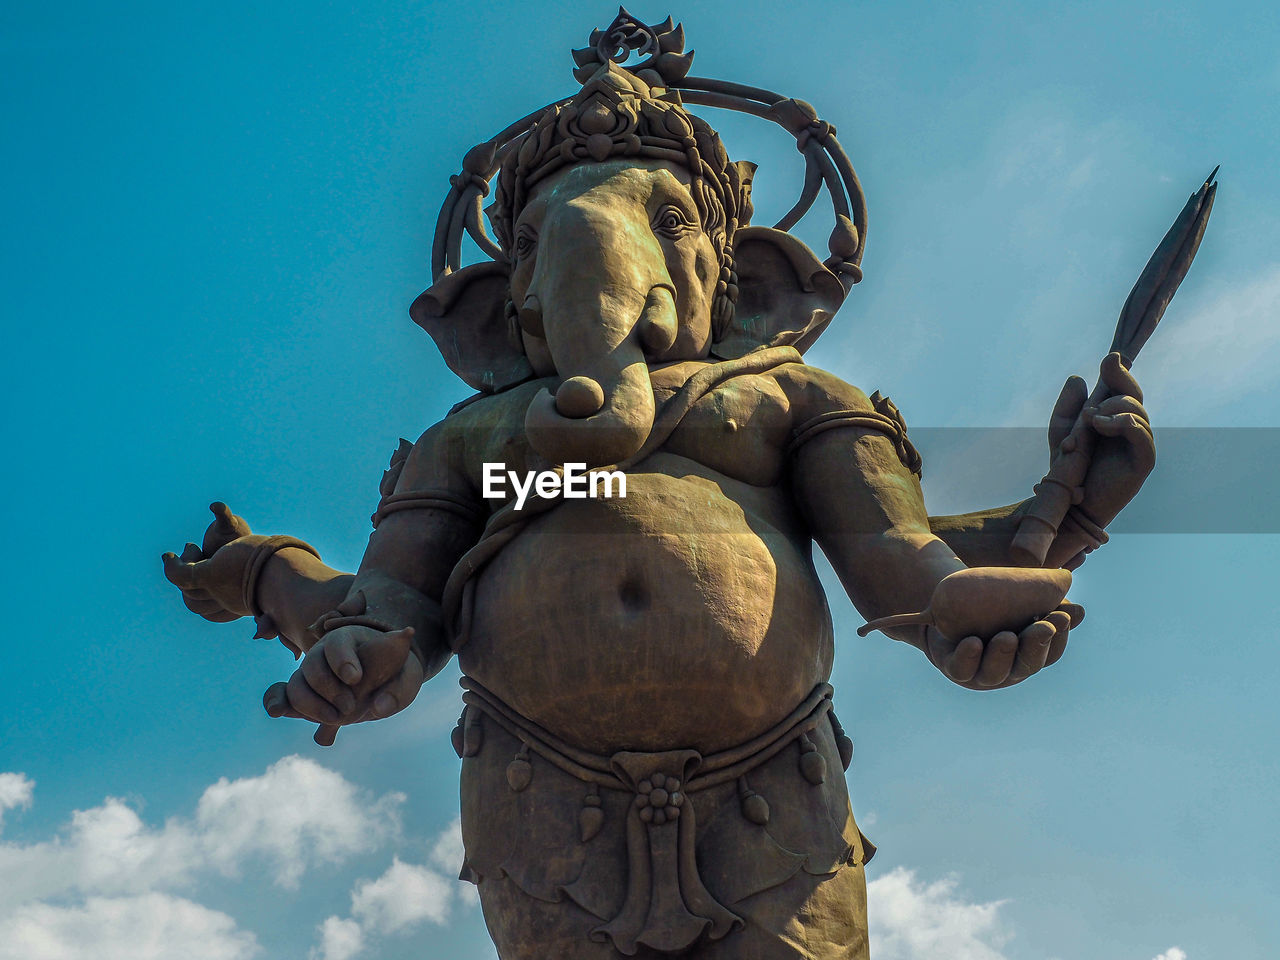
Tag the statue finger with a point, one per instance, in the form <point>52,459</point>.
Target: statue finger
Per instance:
<point>1033,649</point>
<point>963,662</point>
<point>340,654</point>
<point>226,526</point>
<point>276,702</point>
<point>1118,379</point>
<point>939,647</point>
<point>200,601</point>
<point>325,734</point>
<point>307,702</point>
<point>1065,411</point>
<point>1063,620</point>
<point>997,659</point>
<point>191,553</point>
<point>1133,429</point>
<point>1074,612</point>
<point>398,693</point>
<point>1122,404</point>
<point>324,682</point>
<point>182,574</point>
<point>384,656</point>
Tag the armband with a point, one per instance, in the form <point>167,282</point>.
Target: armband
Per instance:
<point>884,418</point>
<point>437,499</point>
<point>427,499</point>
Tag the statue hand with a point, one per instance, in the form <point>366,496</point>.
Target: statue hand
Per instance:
<point>226,527</point>
<point>211,576</point>
<point>1125,450</point>
<point>353,674</point>
<point>1007,658</point>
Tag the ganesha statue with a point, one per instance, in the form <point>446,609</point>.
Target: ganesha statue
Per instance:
<point>651,762</point>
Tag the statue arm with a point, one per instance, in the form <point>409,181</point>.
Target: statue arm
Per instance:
<point>383,622</point>
<point>385,637</point>
<point>982,538</point>
<point>867,513</point>
<point>427,518</point>
<point>857,487</point>
<point>405,568</point>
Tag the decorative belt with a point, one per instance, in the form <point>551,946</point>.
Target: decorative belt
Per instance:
<point>667,907</point>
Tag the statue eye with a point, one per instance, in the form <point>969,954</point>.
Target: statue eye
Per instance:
<point>671,220</point>
<point>525,242</point>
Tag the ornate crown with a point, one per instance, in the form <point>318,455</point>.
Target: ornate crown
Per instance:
<point>639,111</point>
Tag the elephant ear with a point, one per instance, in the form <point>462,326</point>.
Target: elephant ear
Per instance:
<point>786,296</point>
<point>465,314</point>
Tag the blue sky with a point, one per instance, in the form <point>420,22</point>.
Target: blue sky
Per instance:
<point>215,219</point>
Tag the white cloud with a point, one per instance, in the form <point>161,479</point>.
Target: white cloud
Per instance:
<point>109,871</point>
<point>152,926</point>
<point>1173,953</point>
<point>339,940</point>
<point>402,898</point>
<point>15,791</point>
<point>405,897</point>
<point>106,850</point>
<point>913,920</point>
<point>446,852</point>
<point>295,815</point>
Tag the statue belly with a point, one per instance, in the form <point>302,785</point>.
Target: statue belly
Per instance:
<point>674,618</point>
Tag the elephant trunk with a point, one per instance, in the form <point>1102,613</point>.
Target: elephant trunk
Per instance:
<point>601,333</point>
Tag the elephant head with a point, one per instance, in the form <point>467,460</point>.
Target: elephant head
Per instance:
<point>615,264</point>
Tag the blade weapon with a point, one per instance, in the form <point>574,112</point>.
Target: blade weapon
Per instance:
<point>1142,311</point>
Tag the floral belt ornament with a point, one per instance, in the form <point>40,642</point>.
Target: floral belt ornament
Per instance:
<point>666,906</point>
<point>659,799</point>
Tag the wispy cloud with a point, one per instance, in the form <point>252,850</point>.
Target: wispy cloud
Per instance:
<point>916,920</point>
<point>1173,953</point>
<point>1222,348</point>
<point>1038,144</point>
<point>15,792</point>
<point>405,898</point>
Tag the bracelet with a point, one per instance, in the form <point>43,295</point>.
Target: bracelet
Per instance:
<point>1094,535</point>
<point>263,552</point>
<point>352,612</point>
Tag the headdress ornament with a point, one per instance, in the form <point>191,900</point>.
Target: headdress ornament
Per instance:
<point>639,110</point>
